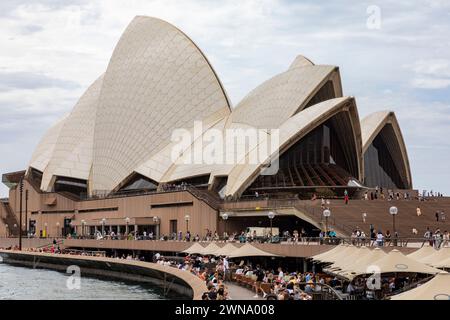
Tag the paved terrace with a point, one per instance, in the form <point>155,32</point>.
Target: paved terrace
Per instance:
<point>300,250</point>
<point>283,249</point>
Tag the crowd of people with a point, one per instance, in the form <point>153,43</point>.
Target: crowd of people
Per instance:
<point>435,238</point>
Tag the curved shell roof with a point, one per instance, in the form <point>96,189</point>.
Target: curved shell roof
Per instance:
<point>72,154</point>
<point>372,125</point>
<point>301,61</point>
<point>158,80</point>
<point>44,150</point>
<point>284,95</point>
<point>290,132</point>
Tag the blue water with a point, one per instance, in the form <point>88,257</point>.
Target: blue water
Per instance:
<point>18,283</point>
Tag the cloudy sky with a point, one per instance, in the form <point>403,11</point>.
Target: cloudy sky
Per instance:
<point>51,50</point>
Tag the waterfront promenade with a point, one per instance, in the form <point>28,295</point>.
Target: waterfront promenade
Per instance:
<point>170,278</point>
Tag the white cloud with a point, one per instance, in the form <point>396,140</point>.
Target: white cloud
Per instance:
<point>431,74</point>
<point>246,41</point>
<point>430,83</point>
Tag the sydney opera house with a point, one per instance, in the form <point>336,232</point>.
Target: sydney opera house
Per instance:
<point>109,162</point>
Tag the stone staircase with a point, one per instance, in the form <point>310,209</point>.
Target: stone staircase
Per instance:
<point>347,217</point>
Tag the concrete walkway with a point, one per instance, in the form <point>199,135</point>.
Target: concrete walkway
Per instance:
<point>240,293</point>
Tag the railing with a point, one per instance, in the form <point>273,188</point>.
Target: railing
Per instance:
<point>276,240</point>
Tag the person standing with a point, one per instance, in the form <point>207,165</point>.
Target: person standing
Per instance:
<point>437,216</point>
<point>428,236</point>
<point>346,196</point>
<point>445,238</point>
<point>380,238</point>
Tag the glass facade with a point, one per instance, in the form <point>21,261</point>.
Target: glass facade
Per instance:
<point>324,157</point>
<point>379,166</point>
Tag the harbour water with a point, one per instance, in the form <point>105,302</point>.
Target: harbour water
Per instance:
<point>18,283</point>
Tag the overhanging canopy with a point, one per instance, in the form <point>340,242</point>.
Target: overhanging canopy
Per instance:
<point>210,249</point>
<point>361,265</point>
<point>321,256</point>
<point>421,253</point>
<point>342,253</point>
<point>437,288</point>
<point>248,250</point>
<point>195,248</point>
<point>395,261</point>
<point>226,250</point>
<point>443,264</point>
<point>346,262</point>
<point>437,257</point>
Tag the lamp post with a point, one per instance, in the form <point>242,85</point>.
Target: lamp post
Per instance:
<point>393,211</point>
<point>20,213</point>
<point>127,225</point>
<point>225,218</point>
<point>103,227</point>
<point>326,214</point>
<point>271,215</point>
<point>26,211</point>
<point>156,221</point>
<point>187,218</point>
<point>57,229</point>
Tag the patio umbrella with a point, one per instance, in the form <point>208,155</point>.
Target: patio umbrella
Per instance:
<point>210,249</point>
<point>443,264</point>
<point>195,248</point>
<point>343,253</point>
<point>437,257</point>
<point>437,288</point>
<point>323,255</point>
<point>421,253</point>
<point>226,250</point>
<point>344,263</point>
<point>395,261</point>
<point>248,250</point>
<point>361,265</point>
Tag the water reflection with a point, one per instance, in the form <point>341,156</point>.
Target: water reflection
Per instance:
<point>39,284</point>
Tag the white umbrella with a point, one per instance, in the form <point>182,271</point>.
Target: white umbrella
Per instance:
<point>248,250</point>
<point>323,255</point>
<point>437,288</point>
<point>437,257</point>
<point>343,253</point>
<point>361,265</point>
<point>226,250</point>
<point>210,249</point>
<point>443,264</point>
<point>395,261</point>
<point>195,248</point>
<point>421,253</point>
<point>345,263</point>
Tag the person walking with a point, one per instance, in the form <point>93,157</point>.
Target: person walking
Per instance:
<point>445,239</point>
<point>346,196</point>
<point>428,236</point>
<point>437,216</point>
<point>418,211</point>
